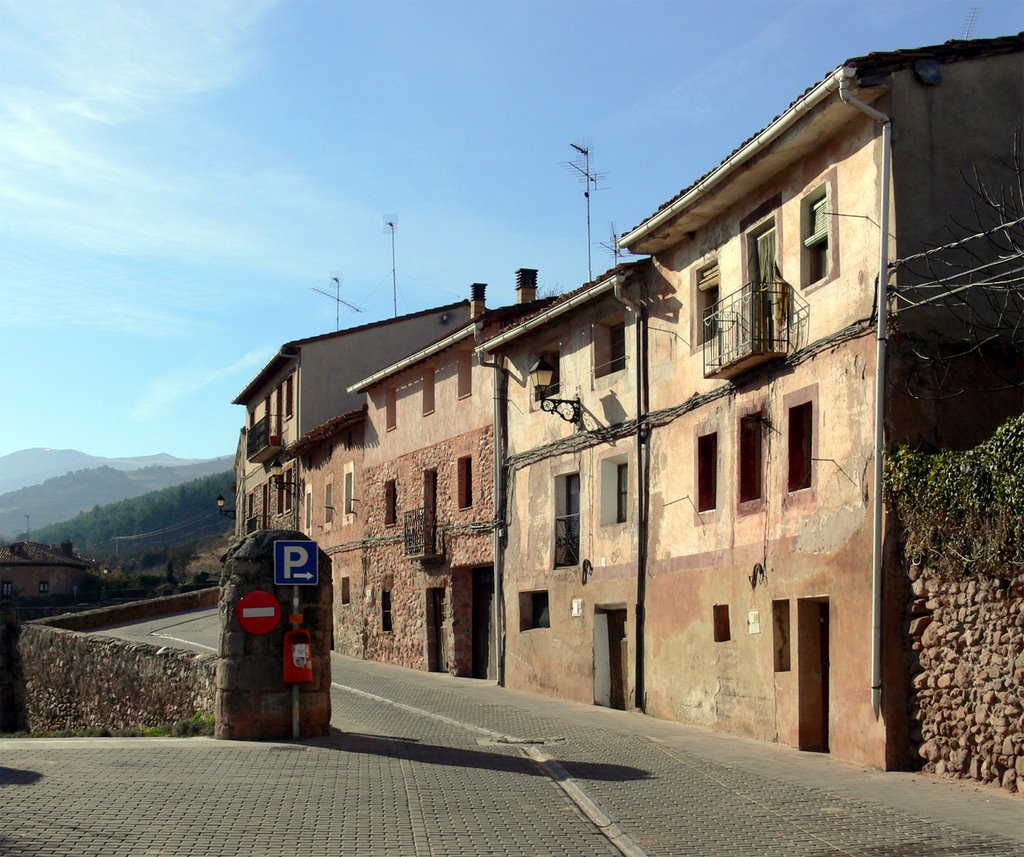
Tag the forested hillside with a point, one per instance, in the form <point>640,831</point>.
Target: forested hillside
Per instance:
<point>146,524</point>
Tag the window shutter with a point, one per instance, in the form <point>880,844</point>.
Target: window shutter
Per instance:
<point>818,222</point>
<point>708,279</point>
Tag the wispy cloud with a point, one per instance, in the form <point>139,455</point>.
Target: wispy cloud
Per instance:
<point>165,391</point>
<point>88,92</point>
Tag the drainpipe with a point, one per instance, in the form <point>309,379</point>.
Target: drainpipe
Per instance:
<point>640,323</point>
<point>882,303</point>
<point>497,612</point>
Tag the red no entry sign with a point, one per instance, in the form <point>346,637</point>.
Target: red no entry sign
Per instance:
<point>259,612</point>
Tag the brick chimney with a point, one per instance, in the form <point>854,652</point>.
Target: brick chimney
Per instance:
<point>526,285</point>
<point>477,306</point>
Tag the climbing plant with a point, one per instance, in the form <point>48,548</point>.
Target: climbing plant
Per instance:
<point>963,512</point>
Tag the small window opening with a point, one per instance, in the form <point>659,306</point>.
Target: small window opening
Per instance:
<point>346,593</point>
<point>465,477</point>
<point>751,463</point>
<point>721,623</point>
<point>800,428</point>
<point>385,610</point>
<point>707,472</point>
<point>534,610</point>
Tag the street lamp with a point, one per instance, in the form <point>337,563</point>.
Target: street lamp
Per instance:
<point>227,513</point>
<point>570,410</point>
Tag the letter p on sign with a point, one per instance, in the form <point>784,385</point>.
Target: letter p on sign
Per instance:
<point>295,563</point>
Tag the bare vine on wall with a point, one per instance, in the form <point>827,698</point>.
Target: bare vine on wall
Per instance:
<point>976,280</point>
<point>962,513</point>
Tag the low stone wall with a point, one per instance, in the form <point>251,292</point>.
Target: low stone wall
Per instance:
<point>78,681</point>
<point>967,675</point>
<point>134,611</point>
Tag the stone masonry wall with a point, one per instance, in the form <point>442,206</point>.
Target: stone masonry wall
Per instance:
<point>966,661</point>
<point>79,681</point>
<point>464,541</point>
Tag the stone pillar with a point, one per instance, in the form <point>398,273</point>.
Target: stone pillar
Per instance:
<point>253,702</point>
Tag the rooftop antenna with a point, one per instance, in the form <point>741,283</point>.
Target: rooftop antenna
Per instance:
<point>612,246</point>
<point>338,300</point>
<point>970,22</point>
<point>390,225</point>
<point>589,178</point>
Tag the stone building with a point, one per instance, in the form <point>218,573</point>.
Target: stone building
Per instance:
<point>29,570</point>
<point>426,498</point>
<point>706,540</point>
<point>301,388</point>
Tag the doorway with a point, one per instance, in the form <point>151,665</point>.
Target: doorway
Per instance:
<point>436,660</point>
<point>483,607</point>
<point>610,652</point>
<point>813,673</point>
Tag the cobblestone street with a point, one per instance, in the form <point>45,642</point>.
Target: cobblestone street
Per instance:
<point>427,764</point>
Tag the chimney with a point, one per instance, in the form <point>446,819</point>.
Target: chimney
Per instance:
<point>65,548</point>
<point>477,307</point>
<point>526,285</point>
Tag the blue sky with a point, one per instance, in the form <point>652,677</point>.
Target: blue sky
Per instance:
<point>177,178</point>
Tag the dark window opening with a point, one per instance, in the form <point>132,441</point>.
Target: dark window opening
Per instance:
<point>721,623</point>
<point>534,610</point>
<point>751,463</point>
<point>391,502</point>
<point>346,595</point>
<point>800,428</point>
<point>707,472</point>
<point>621,492</point>
<point>385,610</point>
<point>465,477</point>
<point>780,630</point>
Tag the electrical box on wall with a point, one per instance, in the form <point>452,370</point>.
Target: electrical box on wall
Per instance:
<point>577,608</point>
<point>368,595</point>
<point>753,621</point>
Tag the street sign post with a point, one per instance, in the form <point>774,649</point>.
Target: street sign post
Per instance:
<point>259,612</point>
<point>295,563</point>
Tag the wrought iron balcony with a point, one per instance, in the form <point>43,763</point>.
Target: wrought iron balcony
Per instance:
<point>567,540</point>
<point>760,322</point>
<point>260,444</point>
<point>420,534</point>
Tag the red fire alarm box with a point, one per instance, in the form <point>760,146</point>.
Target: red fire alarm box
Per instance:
<point>298,657</point>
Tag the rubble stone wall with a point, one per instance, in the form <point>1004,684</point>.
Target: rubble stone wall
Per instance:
<point>80,681</point>
<point>967,674</point>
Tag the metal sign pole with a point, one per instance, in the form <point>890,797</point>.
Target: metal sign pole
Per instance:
<point>295,687</point>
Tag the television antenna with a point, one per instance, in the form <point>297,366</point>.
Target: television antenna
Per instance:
<point>590,179</point>
<point>390,225</point>
<point>338,300</point>
<point>612,245</point>
<point>970,22</point>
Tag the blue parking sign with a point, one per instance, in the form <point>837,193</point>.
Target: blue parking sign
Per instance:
<point>295,563</point>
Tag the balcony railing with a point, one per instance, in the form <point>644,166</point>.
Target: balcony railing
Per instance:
<point>567,540</point>
<point>760,322</point>
<point>420,534</point>
<point>260,444</point>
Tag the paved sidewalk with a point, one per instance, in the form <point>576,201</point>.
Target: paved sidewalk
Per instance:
<point>432,765</point>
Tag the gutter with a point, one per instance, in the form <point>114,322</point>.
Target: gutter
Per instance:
<point>786,121</point>
<point>882,300</point>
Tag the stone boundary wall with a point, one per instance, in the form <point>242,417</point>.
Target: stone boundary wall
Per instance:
<point>966,662</point>
<point>79,681</point>
<point>134,611</point>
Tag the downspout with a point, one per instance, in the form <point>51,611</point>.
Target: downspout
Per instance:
<point>640,323</point>
<point>498,549</point>
<point>882,301</point>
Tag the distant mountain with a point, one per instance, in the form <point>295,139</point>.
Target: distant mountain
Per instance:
<point>63,497</point>
<point>33,466</point>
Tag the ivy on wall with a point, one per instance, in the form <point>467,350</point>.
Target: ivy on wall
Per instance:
<point>963,512</point>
